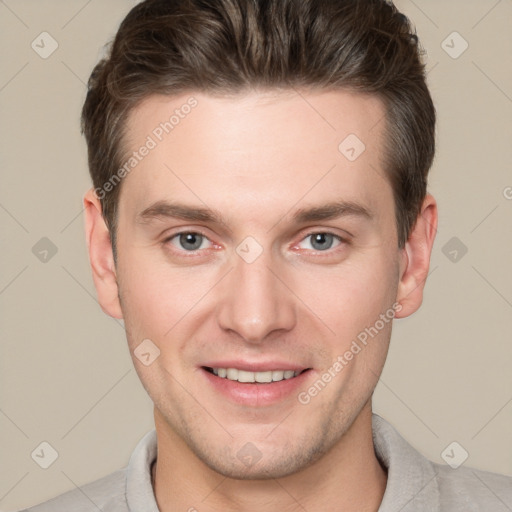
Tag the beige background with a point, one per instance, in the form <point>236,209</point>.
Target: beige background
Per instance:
<point>66,375</point>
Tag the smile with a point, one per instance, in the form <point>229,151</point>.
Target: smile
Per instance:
<point>244,376</point>
<point>264,387</point>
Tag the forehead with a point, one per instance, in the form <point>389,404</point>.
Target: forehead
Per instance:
<point>264,147</point>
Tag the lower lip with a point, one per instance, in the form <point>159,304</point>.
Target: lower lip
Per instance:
<point>257,394</point>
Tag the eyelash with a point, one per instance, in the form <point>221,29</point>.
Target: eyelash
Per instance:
<point>342,242</point>
<point>183,252</point>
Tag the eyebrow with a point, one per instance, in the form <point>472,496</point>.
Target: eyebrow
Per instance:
<point>179,211</point>
<point>332,211</point>
<point>329,211</point>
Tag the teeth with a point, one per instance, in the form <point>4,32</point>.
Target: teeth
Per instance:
<point>232,374</point>
<point>277,375</point>
<point>263,376</point>
<point>245,376</point>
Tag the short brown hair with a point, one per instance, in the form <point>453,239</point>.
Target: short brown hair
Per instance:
<point>228,46</point>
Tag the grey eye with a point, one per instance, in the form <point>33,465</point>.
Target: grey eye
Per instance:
<point>191,241</point>
<point>321,241</point>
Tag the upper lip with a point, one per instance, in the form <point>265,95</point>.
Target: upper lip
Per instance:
<point>256,366</point>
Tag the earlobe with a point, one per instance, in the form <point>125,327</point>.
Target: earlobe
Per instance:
<point>415,259</point>
<point>101,256</point>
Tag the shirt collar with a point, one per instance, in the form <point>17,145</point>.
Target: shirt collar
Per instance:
<point>411,484</point>
<point>139,491</point>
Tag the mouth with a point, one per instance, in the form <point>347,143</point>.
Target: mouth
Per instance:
<point>256,385</point>
<point>248,377</point>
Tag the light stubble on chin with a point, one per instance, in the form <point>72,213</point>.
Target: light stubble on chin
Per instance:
<point>279,461</point>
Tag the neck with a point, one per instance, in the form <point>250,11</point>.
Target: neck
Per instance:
<point>349,477</point>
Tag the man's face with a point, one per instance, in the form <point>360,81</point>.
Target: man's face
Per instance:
<point>248,240</point>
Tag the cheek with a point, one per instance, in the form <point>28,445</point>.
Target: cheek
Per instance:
<point>351,297</point>
<point>156,297</point>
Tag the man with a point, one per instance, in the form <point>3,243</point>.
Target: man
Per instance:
<point>259,217</point>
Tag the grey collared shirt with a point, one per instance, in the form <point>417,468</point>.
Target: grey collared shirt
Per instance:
<point>414,484</point>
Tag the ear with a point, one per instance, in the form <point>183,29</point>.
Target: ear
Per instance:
<point>101,256</point>
<point>415,259</point>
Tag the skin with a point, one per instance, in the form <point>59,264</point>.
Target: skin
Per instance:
<point>257,159</point>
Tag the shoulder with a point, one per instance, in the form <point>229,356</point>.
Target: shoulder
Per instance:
<point>124,490</point>
<point>416,484</point>
<point>107,493</point>
<point>471,489</point>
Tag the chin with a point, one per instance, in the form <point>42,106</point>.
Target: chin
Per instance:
<point>260,470</point>
<point>260,461</point>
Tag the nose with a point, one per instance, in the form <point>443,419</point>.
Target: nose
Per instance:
<point>254,301</point>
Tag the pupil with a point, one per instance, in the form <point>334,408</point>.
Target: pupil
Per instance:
<point>191,241</point>
<point>322,241</point>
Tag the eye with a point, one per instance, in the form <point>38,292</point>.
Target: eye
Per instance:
<point>190,241</point>
<point>320,241</point>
